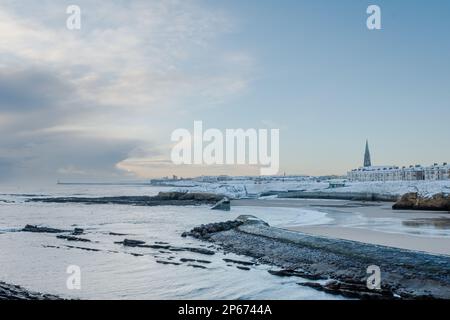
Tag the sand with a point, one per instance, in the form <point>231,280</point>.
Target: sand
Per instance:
<point>372,222</point>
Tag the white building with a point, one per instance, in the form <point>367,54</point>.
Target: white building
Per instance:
<point>394,173</point>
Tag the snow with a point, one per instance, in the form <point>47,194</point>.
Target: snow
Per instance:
<point>251,188</point>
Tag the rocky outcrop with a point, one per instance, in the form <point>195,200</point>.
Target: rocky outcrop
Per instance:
<point>350,290</point>
<point>342,263</point>
<point>204,231</point>
<point>37,229</point>
<point>414,201</point>
<point>72,238</point>
<point>196,196</point>
<point>12,292</point>
<point>162,199</point>
<point>143,244</point>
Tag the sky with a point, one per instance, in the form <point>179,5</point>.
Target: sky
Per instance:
<point>100,103</point>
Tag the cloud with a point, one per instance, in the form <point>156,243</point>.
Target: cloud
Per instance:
<point>77,102</point>
<point>23,90</point>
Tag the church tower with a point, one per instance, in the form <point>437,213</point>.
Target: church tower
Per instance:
<point>367,162</point>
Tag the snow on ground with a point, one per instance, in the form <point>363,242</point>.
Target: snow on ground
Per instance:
<point>424,188</point>
<point>252,188</point>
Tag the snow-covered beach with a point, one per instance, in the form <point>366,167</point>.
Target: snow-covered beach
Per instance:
<point>246,187</point>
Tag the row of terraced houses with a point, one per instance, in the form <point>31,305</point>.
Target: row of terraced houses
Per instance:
<point>394,173</point>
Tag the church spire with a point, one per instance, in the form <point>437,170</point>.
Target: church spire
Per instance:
<point>367,162</point>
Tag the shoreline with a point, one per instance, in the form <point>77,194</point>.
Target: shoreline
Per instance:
<point>342,263</point>
<point>429,245</point>
<point>14,292</point>
<point>341,211</point>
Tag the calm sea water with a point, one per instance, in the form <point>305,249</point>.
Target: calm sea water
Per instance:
<point>39,262</point>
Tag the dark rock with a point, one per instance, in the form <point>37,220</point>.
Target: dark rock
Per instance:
<point>196,196</point>
<point>245,263</point>
<point>12,292</point>
<point>413,201</point>
<point>406,274</point>
<point>36,229</point>
<point>72,238</point>
<point>117,234</point>
<point>131,243</point>
<point>350,290</point>
<point>197,266</point>
<point>77,231</point>
<point>136,254</point>
<point>168,262</point>
<point>293,273</point>
<point>162,199</point>
<point>243,268</point>
<point>157,246</point>
<point>203,261</point>
<point>85,249</point>
<point>194,260</point>
<point>204,231</point>
<point>196,250</point>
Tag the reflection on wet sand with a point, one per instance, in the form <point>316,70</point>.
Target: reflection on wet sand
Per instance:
<point>438,223</point>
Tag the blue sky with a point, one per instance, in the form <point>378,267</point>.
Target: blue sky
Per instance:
<point>100,103</point>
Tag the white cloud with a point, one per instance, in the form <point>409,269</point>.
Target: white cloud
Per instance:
<point>130,62</point>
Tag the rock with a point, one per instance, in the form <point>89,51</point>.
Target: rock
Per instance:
<point>204,231</point>
<point>157,246</point>
<point>77,231</point>
<point>224,205</point>
<point>85,249</point>
<point>36,229</point>
<point>243,268</point>
<point>198,250</point>
<point>203,261</point>
<point>197,266</point>
<point>350,290</point>
<point>245,263</point>
<point>12,292</point>
<point>295,273</point>
<point>136,254</point>
<point>189,196</point>
<point>162,199</point>
<point>72,238</point>
<point>249,219</point>
<point>132,243</point>
<point>117,234</point>
<point>168,262</point>
<point>405,274</point>
<point>414,201</point>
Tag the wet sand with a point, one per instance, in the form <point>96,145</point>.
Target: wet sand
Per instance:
<point>371,222</point>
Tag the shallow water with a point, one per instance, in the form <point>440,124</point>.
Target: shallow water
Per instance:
<point>39,261</point>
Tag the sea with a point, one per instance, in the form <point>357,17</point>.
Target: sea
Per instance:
<point>105,269</point>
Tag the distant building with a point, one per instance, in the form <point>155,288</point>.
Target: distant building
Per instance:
<point>336,184</point>
<point>367,161</point>
<point>393,173</point>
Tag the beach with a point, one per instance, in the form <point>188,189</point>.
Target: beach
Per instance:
<point>130,247</point>
<point>368,222</point>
